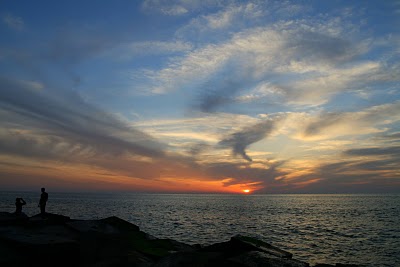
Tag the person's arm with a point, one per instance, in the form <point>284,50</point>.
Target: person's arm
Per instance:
<point>23,202</point>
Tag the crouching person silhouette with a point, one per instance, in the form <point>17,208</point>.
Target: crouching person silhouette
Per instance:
<point>19,202</point>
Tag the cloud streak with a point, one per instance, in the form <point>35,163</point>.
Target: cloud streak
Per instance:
<point>370,120</point>
<point>68,116</point>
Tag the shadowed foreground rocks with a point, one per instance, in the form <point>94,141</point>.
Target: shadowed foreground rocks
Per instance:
<point>57,240</point>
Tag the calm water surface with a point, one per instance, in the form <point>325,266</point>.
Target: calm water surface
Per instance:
<point>359,229</point>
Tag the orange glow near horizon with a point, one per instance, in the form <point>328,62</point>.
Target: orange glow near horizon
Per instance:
<point>84,177</point>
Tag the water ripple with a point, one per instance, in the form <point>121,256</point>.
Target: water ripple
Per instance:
<point>359,229</point>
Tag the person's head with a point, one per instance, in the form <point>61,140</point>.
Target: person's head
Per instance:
<point>17,199</point>
<point>43,189</point>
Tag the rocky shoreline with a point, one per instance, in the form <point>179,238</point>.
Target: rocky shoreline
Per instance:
<point>57,240</point>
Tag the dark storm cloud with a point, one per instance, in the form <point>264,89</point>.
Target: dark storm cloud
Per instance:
<point>66,115</point>
<point>239,141</point>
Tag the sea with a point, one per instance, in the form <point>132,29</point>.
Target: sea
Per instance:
<point>320,228</point>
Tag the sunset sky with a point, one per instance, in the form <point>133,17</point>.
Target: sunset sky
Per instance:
<point>200,96</point>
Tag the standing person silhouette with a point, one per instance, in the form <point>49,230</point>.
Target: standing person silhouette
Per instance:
<point>19,202</point>
<point>43,200</point>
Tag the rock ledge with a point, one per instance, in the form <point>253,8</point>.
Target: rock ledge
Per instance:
<point>57,240</point>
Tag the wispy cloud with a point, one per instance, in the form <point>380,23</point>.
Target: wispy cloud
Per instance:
<point>306,62</point>
<point>230,17</point>
<point>235,16</point>
<point>205,128</point>
<point>375,151</point>
<point>180,7</point>
<point>370,120</point>
<point>13,22</point>
<point>66,115</point>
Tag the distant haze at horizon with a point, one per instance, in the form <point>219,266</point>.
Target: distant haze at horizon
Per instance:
<point>200,96</point>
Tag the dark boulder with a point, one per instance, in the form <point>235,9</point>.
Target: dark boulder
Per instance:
<point>49,219</point>
<point>120,224</point>
<point>51,245</point>
<point>8,218</point>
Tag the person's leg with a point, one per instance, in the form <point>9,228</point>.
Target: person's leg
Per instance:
<point>42,209</point>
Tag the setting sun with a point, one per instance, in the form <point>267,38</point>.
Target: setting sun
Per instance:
<point>246,190</point>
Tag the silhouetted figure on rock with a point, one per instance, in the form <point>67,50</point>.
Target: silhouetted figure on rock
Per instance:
<point>43,200</point>
<point>19,202</point>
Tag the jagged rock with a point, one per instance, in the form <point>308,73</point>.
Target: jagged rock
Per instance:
<point>95,226</point>
<point>226,248</point>
<point>122,225</point>
<point>239,244</point>
<point>249,243</point>
<point>154,248</point>
<point>260,259</point>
